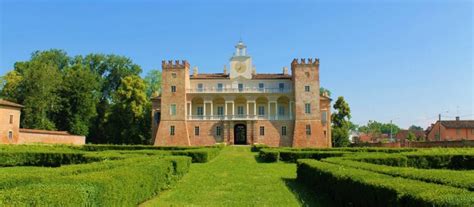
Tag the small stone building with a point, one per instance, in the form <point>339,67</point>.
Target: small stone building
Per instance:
<point>241,106</point>
<point>11,133</point>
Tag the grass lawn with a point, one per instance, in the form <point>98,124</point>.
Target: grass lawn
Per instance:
<point>235,178</point>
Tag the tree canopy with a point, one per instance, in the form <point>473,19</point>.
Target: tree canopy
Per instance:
<point>97,95</point>
<point>341,123</point>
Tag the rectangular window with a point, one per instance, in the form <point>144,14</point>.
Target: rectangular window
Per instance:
<point>11,119</point>
<point>261,87</point>
<point>308,129</point>
<point>220,110</point>
<point>173,89</point>
<point>261,110</point>
<point>283,130</point>
<point>306,88</point>
<point>325,134</point>
<point>173,75</point>
<point>220,87</point>
<point>281,111</point>
<point>173,109</point>
<point>196,131</point>
<point>241,87</point>
<point>262,131</point>
<point>240,110</point>
<point>218,131</point>
<point>307,108</point>
<point>200,111</point>
<point>324,118</point>
<point>200,87</point>
<point>10,135</point>
<point>172,130</point>
<point>281,86</point>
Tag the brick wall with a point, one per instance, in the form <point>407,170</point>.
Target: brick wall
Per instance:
<point>28,136</point>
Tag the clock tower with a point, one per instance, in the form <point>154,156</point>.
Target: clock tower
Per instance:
<point>240,63</point>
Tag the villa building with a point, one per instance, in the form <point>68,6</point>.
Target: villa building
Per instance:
<point>241,106</point>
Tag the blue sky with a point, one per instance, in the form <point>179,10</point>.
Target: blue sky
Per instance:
<point>401,60</point>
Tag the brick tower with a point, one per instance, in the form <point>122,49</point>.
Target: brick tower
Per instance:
<point>308,130</point>
<point>172,129</point>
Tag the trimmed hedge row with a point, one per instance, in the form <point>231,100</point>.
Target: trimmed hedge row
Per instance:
<point>460,179</point>
<point>257,147</point>
<point>421,160</point>
<point>350,186</point>
<point>34,158</point>
<point>143,178</point>
<point>201,155</point>
<point>274,155</point>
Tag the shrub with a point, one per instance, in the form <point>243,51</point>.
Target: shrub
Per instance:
<point>35,158</point>
<point>461,179</point>
<point>350,186</point>
<point>257,147</point>
<point>201,155</point>
<point>292,156</point>
<point>269,155</point>
<point>143,178</point>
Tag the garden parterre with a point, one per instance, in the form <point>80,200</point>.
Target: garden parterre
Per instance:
<point>92,175</point>
<point>383,176</point>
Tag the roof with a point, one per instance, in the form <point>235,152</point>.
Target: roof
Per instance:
<point>461,124</point>
<point>271,76</point>
<point>210,76</point>
<point>4,102</point>
<point>226,76</point>
<point>39,131</point>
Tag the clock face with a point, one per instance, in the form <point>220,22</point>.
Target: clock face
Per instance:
<point>240,67</point>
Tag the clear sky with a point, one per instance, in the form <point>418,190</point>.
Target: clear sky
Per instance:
<point>402,60</point>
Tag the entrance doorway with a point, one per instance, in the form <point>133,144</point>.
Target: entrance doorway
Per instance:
<point>240,134</point>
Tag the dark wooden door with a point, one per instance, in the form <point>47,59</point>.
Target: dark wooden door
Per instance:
<point>240,134</point>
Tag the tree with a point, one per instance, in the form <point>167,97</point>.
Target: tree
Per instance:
<point>323,90</point>
<point>376,129</point>
<point>153,82</point>
<point>9,86</point>
<point>415,128</point>
<point>341,123</point>
<point>411,136</point>
<point>79,97</point>
<point>129,114</point>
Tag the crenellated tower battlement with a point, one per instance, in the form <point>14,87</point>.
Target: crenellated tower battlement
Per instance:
<point>174,65</point>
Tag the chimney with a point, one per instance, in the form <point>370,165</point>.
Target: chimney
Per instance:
<point>225,69</point>
<point>285,70</point>
<point>195,71</point>
<point>457,118</point>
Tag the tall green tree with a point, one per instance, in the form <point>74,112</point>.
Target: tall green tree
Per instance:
<point>415,128</point>
<point>79,94</point>
<point>153,82</point>
<point>129,112</point>
<point>9,86</point>
<point>341,123</point>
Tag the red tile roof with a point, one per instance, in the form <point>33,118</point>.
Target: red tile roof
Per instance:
<point>39,131</point>
<point>210,76</point>
<point>4,102</point>
<point>461,124</point>
<point>271,76</point>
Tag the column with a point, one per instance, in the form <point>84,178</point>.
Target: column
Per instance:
<point>204,110</point>
<point>268,110</point>
<point>191,109</point>
<point>290,110</point>
<point>233,110</point>
<point>225,110</point>
<point>247,112</point>
<point>255,108</point>
<point>276,110</point>
<point>212,108</point>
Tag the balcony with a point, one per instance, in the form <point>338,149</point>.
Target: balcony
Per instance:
<point>239,117</point>
<point>239,90</point>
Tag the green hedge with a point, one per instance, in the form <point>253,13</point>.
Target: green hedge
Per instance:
<point>257,147</point>
<point>143,178</point>
<point>292,156</point>
<point>461,179</point>
<point>34,158</point>
<point>201,155</point>
<point>350,186</point>
<point>103,147</point>
<point>269,155</point>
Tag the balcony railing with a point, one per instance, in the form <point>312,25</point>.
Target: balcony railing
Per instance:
<point>239,117</point>
<point>239,90</point>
